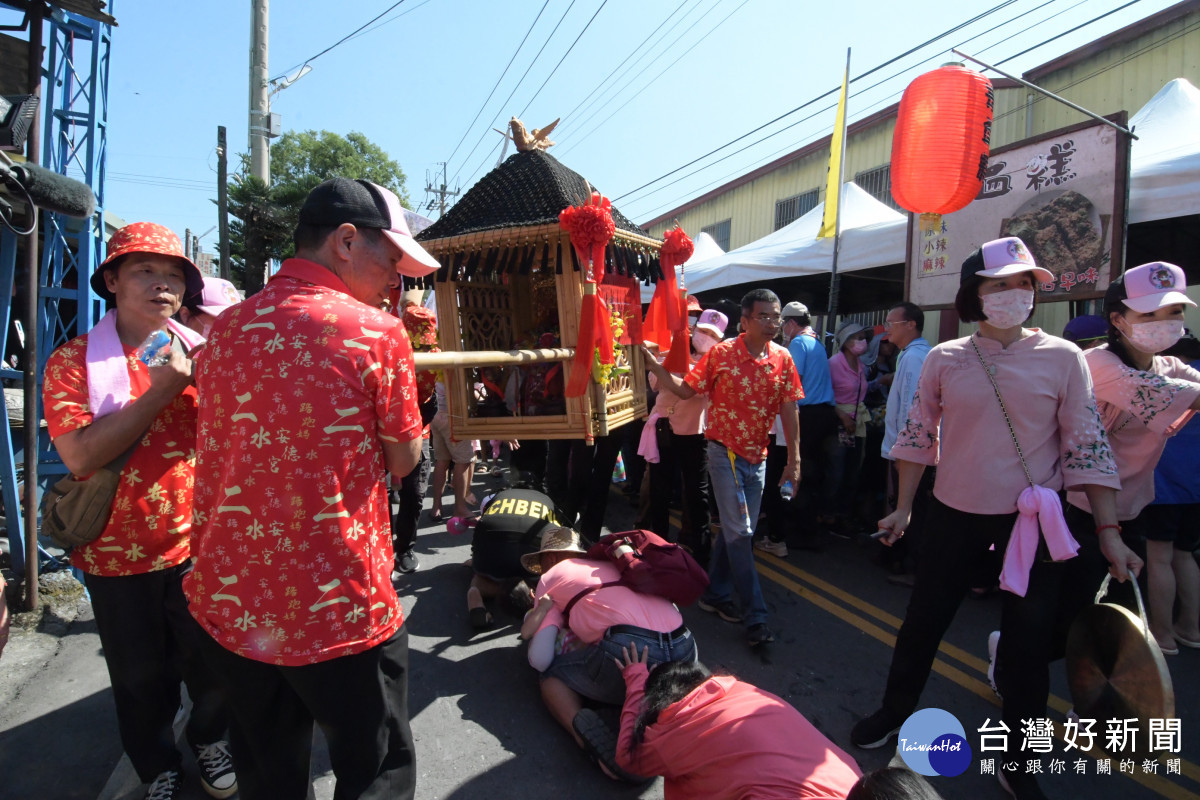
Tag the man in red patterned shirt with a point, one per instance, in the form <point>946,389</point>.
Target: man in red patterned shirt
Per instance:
<point>748,381</point>
<point>101,400</point>
<point>307,395</point>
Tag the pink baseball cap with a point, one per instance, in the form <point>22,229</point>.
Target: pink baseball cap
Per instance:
<point>714,322</point>
<point>218,295</point>
<point>1002,257</point>
<point>367,205</point>
<point>1149,287</point>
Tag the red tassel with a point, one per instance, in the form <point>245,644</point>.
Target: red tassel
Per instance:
<point>679,359</point>
<point>656,329</point>
<point>595,330</point>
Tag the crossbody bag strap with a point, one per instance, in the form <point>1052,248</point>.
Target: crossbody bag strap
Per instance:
<point>989,371</point>
<point>583,593</point>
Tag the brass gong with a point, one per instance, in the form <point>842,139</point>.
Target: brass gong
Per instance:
<point>1115,669</point>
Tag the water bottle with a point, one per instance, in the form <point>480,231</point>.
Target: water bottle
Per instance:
<point>787,491</point>
<point>149,353</point>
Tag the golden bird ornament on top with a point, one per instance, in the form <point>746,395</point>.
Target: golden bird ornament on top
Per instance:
<point>537,139</point>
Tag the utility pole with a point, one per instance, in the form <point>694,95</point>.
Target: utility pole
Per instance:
<point>187,243</point>
<point>441,191</point>
<point>260,154</point>
<point>222,204</point>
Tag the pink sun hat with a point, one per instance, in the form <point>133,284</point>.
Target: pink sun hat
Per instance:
<point>1149,287</point>
<point>217,296</point>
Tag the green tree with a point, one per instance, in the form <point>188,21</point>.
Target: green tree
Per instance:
<point>266,217</point>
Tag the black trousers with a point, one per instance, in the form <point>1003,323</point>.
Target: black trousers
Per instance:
<point>1033,628</point>
<point>360,702</point>
<point>687,456</point>
<point>817,424</point>
<point>149,645</point>
<point>405,503</point>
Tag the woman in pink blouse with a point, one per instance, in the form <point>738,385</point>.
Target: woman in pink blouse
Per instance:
<point>677,426</point>
<point>957,423</point>
<point>1143,398</point>
<point>849,377</point>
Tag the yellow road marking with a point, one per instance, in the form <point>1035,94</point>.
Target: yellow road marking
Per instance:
<point>1155,783</point>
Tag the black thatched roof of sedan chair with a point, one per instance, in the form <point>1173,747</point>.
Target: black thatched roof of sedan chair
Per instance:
<point>527,189</point>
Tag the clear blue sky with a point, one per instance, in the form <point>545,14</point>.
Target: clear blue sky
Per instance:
<point>414,82</point>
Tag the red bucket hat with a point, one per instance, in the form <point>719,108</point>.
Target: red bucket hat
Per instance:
<point>147,237</point>
<point>421,324</point>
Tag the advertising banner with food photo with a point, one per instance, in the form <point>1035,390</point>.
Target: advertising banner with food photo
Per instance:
<point>1062,193</point>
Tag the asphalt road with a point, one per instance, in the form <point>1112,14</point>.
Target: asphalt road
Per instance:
<point>480,727</point>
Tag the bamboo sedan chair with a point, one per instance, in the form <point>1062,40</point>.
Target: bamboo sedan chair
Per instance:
<point>509,295</point>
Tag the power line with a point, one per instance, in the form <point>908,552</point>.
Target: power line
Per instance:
<point>665,69</point>
<point>1072,30</point>
<point>497,84</point>
<point>588,105</point>
<point>571,113</point>
<point>403,13</point>
<point>821,96</point>
<point>343,40</point>
<point>510,95</point>
<point>564,57</point>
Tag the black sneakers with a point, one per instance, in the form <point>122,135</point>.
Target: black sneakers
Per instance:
<point>165,786</point>
<point>876,730</point>
<point>216,769</point>
<point>726,610</point>
<point>759,634</point>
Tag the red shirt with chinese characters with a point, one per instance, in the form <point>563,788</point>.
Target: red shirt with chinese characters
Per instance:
<point>744,394</point>
<point>292,540</point>
<point>152,512</point>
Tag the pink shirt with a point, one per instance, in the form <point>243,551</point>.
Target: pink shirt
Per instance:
<point>730,739</point>
<point>686,416</point>
<point>1048,390</point>
<point>1140,410</point>
<point>849,386</point>
<point>600,610</point>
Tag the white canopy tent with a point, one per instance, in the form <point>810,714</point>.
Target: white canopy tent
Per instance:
<point>1165,160</point>
<point>1165,183</point>
<point>872,236</point>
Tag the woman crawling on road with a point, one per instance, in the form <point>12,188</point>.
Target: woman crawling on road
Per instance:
<point>714,736</point>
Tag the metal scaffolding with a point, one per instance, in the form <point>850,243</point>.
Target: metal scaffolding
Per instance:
<point>74,112</point>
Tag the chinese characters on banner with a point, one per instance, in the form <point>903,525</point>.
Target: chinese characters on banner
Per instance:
<point>1128,749</point>
<point>1062,194</point>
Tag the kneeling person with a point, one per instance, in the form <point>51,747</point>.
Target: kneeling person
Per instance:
<point>510,527</point>
<point>582,623</point>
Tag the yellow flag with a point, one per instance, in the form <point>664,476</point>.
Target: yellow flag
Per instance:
<point>837,144</point>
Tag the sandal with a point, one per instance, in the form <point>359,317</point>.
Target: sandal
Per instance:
<point>435,514</point>
<point>481,618</point>
<point>600,743</point>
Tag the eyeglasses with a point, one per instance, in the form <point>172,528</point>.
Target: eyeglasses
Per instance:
<point>767,319</point>
<point>887,323</point>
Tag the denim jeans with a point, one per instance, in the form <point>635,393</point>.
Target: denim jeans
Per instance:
<point>732,564</point>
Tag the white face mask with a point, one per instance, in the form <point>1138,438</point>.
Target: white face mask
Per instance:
<point>1009,308</point>
<point>858,347</point>
<point>1156,336</point>
<point>702,342</point>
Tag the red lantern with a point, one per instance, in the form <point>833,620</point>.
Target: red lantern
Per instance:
<point>940,146</point>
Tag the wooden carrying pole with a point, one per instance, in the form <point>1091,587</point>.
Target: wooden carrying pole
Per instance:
<point>491,358</point>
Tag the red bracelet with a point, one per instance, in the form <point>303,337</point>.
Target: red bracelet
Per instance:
<point>1103,527</point>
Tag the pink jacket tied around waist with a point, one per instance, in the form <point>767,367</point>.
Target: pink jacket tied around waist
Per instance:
<point>1038,508</point>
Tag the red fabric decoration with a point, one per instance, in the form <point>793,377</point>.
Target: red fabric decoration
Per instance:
<point>666,318</point>
<point>941,142</point>
<point>590,226</point>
